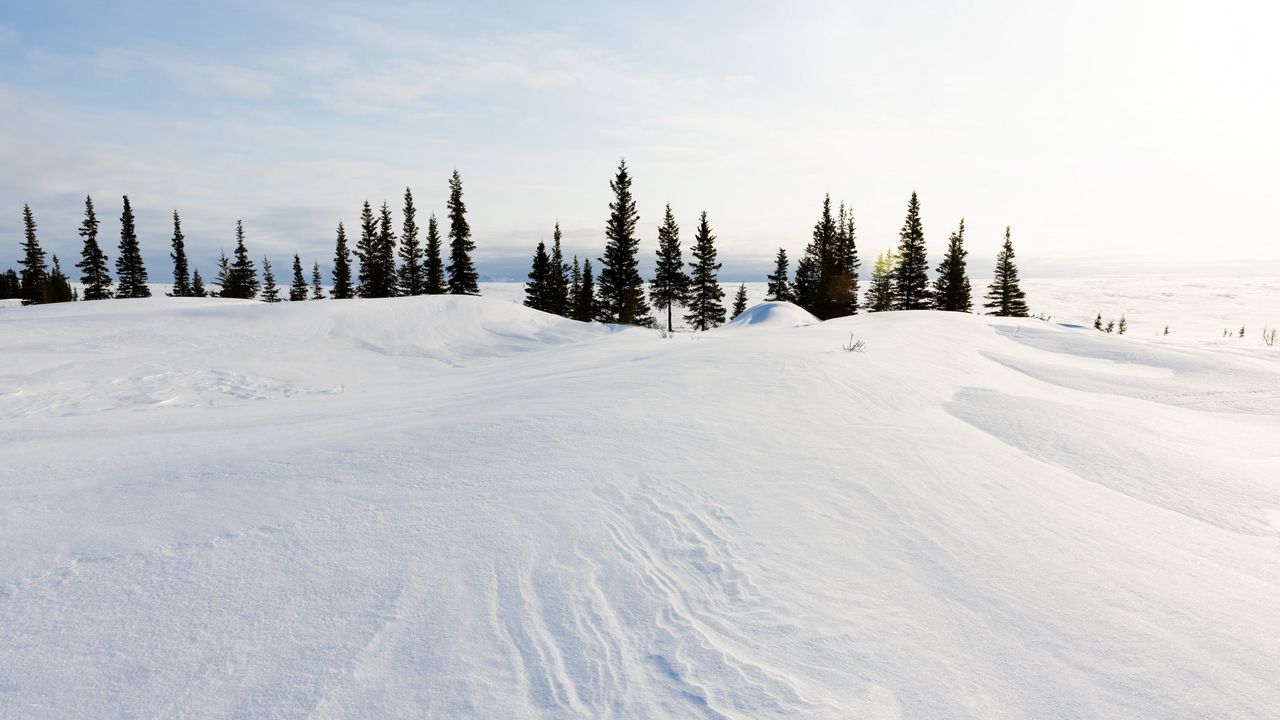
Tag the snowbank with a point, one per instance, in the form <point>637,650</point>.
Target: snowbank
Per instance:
<point>773,314</point>
<point>456,507</point>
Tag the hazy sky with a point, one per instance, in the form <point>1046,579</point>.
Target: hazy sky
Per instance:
<point>1122,133</point>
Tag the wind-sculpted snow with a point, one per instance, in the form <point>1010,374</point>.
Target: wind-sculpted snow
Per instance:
<point>455,507</point>
<point>773,314</point>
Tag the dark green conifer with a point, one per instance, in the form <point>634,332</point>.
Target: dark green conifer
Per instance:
<point>342,289</point>
<point>739,302</point>
<point>575,287</point>
<point>93,262</point>
<point>181,274</point>
<point>386,254</point>
<point>535,290</point>
<point>706,306</point>
<point>558,279</point>
<point>842,285</point>
<point>433,282</point>
<point>367,253</point>
<point>242,281</point>
<point>224,280</point>
<point>670,284</point>
<point>412,279</point>
<point>58,287</point>
<point>952,291</point>
<point>1005,296</point>
<point>197,284</point>
<point>298,290</point>
<point>10,285</point>
<point>585,306</point>
<point>622,297</point>
<point>463,279</point>
<point>270,291</point>
<point>880,297</point>
<point>35,276</point>
<point>911,276</point>
<point>317,290</point>
<point>130,271</point>
<point>780,289</point>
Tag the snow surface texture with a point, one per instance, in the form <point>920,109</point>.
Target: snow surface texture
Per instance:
<point>458,507</point>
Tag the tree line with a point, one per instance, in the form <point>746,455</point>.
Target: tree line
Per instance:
<point>825,282</point>
<point>420,270</point>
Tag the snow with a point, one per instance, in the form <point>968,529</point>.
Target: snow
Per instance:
<point>459,507</point>
<point>772,314</point>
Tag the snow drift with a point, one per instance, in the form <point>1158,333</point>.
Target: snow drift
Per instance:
<point>454,507</point>
<point>773,314</point>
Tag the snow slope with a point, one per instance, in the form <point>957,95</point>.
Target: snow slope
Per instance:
<point>458,507</point>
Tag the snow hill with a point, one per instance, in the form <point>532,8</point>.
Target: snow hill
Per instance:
<point>458,507</point>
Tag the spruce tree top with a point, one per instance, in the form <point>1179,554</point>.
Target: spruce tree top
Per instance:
<point>911,276</point>
<point>1005,296</point>
<point>621,288</point>
<point>463,279</point>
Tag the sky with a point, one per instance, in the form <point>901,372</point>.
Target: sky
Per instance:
<point>1111,136</point>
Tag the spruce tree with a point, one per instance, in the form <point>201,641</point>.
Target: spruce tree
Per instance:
<point>224,280</point>
<point>433,268</point>
<point>706,309</point>
<point>842,286</point>
<point>412,280</point>
<point>197,284</point>
<point>317,291</point>
<point>298,290</point>
<point>557,279</point>
<point>952,291</point>
<point>270,292</point>
<point>243,278</point>
<point>1097,322</point>
<point>367,253</point>
<point>10,285</point>
<point>739,302</point>
<point>622,297</point>
<point>342,289</point>
<point>807,287</point>
<point>881,295</point>
<point>670,284</point>
<point>816,268</point>
<point>93,262</point>
<point>911,276</point>
<point>585,307</point>
<point>535,291</point>
<point>129,268</point>
<point>780,289</point>
<point>181,274</point>
<point>463,279</point>
<point>1004,296</point>
<point>575,287</point>
<point>35,276</point>
<point>58,288</point>
<point>386,254</point>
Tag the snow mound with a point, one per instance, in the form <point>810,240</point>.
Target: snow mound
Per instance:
<point>773,314</point>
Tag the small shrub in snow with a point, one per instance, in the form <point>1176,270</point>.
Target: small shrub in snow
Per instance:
<point>1270,337</point>
<point>854,345</point>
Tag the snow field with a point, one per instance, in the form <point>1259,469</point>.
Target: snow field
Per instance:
<point>457,507</point>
